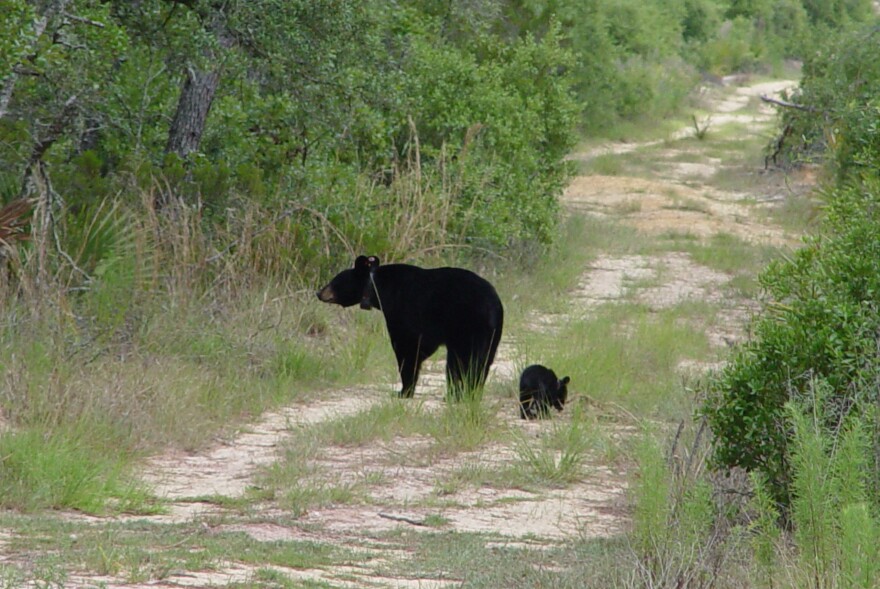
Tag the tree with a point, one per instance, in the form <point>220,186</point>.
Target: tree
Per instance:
<point>201,80</point>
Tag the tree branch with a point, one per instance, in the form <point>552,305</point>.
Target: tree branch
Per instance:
<point>83,20</point>
<point>400,518</point>
<point>786,104</point>
<point>41,146</point>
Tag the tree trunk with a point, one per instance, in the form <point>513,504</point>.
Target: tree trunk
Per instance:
<point>193,107</point>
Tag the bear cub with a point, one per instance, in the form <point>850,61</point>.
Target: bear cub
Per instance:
<point>538,390</point>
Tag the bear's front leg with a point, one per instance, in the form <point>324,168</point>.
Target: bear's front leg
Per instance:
<point>410,353</point>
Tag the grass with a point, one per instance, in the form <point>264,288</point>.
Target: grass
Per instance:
<point>63,471</point>
<point>139,551</point>
<point>628,207</point>
<point>725,253</point>
<point>638,163</point>
<point>381,422</point>
<point>558,463</point>
<point>603,165</point>
<point>798,213</point>
<point>299,482</point>
<point>185,376</point>
<point>484,561</point>
<point>628,355</point>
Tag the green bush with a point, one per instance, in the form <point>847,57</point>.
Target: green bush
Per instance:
<point>820,325</point>
<point>841,115</point>
<point>498,125</point>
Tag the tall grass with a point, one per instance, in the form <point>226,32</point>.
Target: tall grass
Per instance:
<point>161,328</point>
<point>688,531</point>
<point>676,539</point>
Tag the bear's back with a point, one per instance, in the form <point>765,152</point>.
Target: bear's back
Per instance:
<point>537,378</point>
<point>441,294</point>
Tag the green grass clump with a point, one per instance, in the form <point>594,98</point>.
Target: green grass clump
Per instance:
<point>64,471</point>
<point>558,457</point>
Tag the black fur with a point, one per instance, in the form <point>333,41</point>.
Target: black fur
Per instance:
<point>539,389</point>
<point>424,309</point>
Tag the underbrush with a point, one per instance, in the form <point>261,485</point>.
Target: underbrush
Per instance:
<point>142,331</point>
<point>694,526</point>
<point>172,383</point>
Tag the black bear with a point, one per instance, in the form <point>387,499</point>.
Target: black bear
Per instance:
<point>424,309</point>
<point>538,390</point>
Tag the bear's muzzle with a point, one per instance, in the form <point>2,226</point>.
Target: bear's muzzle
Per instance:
<point>327,295</point>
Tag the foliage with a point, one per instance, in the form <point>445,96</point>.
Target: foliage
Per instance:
<point>313,101</point>
<point>840,117</point>
<point>833,517</point>
<point>316,98</point>
<point>819,326</point>
<point>506,129</point>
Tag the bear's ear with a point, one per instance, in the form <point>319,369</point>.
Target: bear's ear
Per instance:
<point>373,262</point>
<point>361,262</point>
<point>565,380</point>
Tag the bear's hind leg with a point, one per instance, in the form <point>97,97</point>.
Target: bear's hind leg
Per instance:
<point>466,371</point>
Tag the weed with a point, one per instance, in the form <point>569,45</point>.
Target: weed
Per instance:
<point>701,131</point>
<point>557,459</point>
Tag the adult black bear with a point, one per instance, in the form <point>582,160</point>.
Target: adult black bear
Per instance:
<point>424,309</point>
<point>538,390</point>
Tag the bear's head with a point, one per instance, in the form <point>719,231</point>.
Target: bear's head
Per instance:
<point>561,393</point>
<point>352,286</point>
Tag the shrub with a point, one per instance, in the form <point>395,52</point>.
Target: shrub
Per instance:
<point>841,114</point>
<point>500,135</point>
<point>820,325</point>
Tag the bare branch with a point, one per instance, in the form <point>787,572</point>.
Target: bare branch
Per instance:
<point>83,20</point>
<point>20,70</point>
<point>786,104</point>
